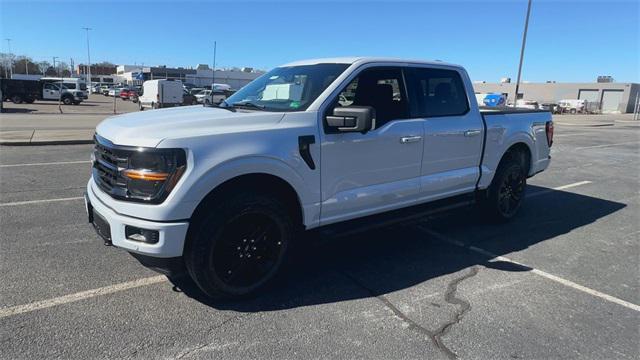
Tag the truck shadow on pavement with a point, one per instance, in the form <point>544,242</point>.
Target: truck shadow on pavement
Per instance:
<point>384,260</point>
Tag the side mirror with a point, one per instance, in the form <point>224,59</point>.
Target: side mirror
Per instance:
<point>352,119</point>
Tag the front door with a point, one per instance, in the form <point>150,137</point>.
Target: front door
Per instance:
<point>379,170</point>
<point>51,92</point>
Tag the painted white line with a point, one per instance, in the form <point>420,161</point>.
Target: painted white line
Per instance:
<point>39,201</point>
<point>39,305</point>
<point>590,125</point>
<point>565,135</point>
<point>607,145</point>
<point>49,163</point>
<point>544,274</point>
<point>569,186</point>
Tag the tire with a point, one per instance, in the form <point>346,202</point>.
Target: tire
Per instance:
<point>155,105</point>
<point>573,111</point>
<point>16,99</point>
<point>30,100</point>
<point>140,106</point>
<point>67,100</point>
<point>238,245</point>
<point>506,193</point>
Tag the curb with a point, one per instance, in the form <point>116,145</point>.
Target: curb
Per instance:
<point>40,143</point>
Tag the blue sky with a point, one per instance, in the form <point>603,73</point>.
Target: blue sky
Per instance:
<point>568,40</point>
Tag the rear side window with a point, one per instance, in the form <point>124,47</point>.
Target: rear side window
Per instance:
<point>69,85</point>
<point>436,92</point>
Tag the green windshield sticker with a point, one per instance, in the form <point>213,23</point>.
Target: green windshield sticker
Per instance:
<point>294,104</point>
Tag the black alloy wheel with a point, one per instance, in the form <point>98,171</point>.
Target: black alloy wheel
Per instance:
<point>248,250</point>
<point>511,191</point>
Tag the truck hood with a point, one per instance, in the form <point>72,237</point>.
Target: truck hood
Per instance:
<point>149,128</point>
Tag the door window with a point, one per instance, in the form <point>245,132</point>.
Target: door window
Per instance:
<point>436,92</point>
<point>380,88</point>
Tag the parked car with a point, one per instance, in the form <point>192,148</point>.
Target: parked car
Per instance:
<point>188,99</point>
<point>104,89</point>
<point>208,97</point>
<point>195,91</point>
<point>572,106</point>
<point>116,91</point>
<point>551,107</point>
<point>221,193</point>
<point>160,93</point>
<point>527,104</point>
<point>126,94</point>
<point>494,100</point>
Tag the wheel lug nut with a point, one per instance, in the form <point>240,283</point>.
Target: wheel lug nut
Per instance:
<point>248,255</point>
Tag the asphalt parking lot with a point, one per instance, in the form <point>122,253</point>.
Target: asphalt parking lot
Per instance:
<point>560,281</point>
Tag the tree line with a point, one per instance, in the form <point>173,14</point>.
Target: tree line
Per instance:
<point>21,64</point>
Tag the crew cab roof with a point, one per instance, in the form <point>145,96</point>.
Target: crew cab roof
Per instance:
<point>364,60</point>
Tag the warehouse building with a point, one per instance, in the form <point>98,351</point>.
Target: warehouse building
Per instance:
<point>605,97</point>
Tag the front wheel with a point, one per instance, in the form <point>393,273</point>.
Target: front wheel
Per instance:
<point>507,190</point>
<point>67,100</point>
<point>16,99</point>
<point>239,246</point>
<point>140,106</point>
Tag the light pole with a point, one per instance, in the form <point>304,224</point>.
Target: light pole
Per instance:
<point>54,65</point>
<point>88,59</point>
<point>524,42</point>
<point>213,73</point>
<point>10,58</point>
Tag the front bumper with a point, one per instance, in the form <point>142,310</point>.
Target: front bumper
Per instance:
<point>171,238</point>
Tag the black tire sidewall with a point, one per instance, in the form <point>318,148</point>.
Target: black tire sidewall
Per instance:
<point>209,228</point>
<point>492,202</point>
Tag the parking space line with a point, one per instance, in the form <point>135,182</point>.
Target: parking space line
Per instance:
<point>49,163</point>
<point>563,187</point>
<point>533,270</point>
<point>40,201</point>
<point>44,304</point>
<point>606,145</point>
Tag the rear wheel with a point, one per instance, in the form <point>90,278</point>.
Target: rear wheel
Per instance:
<point>505,195</point>
<point>140,106</point>
<point>237,248</point>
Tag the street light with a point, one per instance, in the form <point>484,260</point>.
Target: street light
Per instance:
<point>88,59</point>
<point>54,65</point>
<point>524,42</point>
<point>10,58</point>
<point>213,76</point>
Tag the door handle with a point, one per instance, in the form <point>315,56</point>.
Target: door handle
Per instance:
<point>470,133</point>
<point>410,139</point>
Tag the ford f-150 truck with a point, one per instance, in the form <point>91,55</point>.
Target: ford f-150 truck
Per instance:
<point>222,192</point>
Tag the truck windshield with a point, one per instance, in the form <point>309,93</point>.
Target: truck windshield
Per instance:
<point>291,88</point>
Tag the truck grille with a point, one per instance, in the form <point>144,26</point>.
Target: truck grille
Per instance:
<point>108,161</point>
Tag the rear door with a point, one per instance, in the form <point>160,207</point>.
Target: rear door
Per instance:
<point>367,173</point>
<point>453,131</point>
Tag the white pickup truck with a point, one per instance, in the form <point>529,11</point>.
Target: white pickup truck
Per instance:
<point>221,193</point>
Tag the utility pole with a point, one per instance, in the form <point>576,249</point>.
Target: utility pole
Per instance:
<point>524,42</point>
<point>213,73</point>
<point>10,58</point>
<point>54,65</point>
<point>88,59</point>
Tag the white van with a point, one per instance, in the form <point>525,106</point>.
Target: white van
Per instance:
<point>73,84</point>
<point>160,93</point>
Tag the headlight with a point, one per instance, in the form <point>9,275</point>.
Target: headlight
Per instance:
<point>152,174</point>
